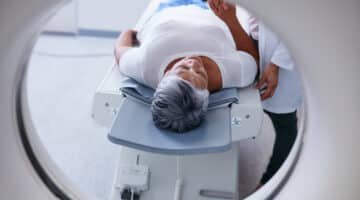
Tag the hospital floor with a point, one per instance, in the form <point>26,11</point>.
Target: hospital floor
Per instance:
<point>63,74</point>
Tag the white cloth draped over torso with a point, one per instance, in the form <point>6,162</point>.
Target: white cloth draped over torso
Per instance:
<point>184,31</point>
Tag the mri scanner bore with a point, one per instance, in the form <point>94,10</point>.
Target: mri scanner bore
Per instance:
<point>74,97</point>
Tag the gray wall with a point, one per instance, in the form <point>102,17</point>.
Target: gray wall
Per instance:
<point>110,15</point>
<point>107,15</point>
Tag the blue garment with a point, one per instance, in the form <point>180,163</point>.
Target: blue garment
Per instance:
<point>174,3</point>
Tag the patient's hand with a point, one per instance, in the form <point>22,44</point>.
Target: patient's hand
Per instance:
<point>225,11</point>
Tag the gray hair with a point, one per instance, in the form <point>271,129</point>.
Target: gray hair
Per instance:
<point>177,105</point>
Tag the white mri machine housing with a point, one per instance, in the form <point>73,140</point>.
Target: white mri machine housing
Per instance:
<point>323,37</point>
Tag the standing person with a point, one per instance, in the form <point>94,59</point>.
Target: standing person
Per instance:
<point>281,92</point>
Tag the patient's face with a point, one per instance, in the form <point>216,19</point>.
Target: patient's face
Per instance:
<point>191,69</point>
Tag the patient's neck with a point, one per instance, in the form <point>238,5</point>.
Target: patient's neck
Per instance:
<point>212,69</point>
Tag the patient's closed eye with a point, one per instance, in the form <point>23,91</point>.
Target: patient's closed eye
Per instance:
<point>184,67</point>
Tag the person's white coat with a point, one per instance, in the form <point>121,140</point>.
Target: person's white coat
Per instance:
<point>255,154</point>
<point>288,94</point>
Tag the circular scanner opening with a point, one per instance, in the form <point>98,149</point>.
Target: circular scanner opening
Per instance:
<point>69,62</point>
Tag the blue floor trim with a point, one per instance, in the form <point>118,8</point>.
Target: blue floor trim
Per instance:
<point>85,32</point>
<point>58,33</point>
<point>99,33</point>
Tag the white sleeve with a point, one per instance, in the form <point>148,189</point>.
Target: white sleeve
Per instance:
<point>239,70</point>
<point>282,58</point>
<point>131,64</point>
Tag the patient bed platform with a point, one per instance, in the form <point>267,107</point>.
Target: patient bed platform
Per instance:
<point>209,172</point>
<point>187,167</point>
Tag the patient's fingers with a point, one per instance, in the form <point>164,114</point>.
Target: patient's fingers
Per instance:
<point>214,5</point>
<point>211,4</point>
<point>225,6</point>
<point>217,6</point>
<point>217,3</point>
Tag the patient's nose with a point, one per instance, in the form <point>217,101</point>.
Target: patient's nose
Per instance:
<point>194,63</point>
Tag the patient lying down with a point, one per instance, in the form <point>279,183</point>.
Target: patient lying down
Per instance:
<point>185,52</point>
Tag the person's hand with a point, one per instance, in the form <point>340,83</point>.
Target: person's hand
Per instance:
<point>225,11</point>
<point>268,81</point>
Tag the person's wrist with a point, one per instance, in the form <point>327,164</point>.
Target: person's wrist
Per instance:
<point>274,67</point>
<point>231,22</point>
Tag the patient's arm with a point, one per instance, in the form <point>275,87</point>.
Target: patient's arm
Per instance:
<point>227,13</point>
<point>125,41</point>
